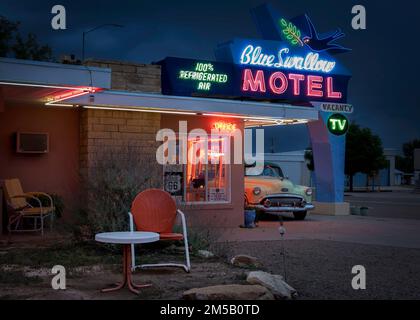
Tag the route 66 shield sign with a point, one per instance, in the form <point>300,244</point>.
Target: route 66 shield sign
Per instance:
<point>173,183</point>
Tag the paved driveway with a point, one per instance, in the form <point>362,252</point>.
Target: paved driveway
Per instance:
<point>393,220</point>
<point>353,229</point>
<point>397,204</point>
<point>321,250</point>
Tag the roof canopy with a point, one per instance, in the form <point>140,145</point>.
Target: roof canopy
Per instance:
<point>54,84</point>
<point>121,100</point>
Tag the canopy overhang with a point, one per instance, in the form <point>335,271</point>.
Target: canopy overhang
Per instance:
<point>35,82</point>
<point>61,85</point>
<point>259,113</point>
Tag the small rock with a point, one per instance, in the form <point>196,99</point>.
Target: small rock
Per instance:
<point>273,282</point>
<point>244,261</point>
<point>229,292</point>
<point>205,254</point>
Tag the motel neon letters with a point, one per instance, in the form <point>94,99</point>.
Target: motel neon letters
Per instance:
<point>254,56</point>
<point>279,83</point>
<point>264,70</point>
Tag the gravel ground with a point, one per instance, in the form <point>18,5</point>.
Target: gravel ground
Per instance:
<point>167,283</point>
<point>317,269</point>
<point>322,269</point>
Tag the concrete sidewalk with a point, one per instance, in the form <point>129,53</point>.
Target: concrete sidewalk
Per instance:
<point>353,229</point>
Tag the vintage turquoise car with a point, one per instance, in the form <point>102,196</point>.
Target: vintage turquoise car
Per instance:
<point>269,191</point>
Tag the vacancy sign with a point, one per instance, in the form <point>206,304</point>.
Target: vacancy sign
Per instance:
<point>337,107</point>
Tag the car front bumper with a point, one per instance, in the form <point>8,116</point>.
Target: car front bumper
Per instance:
<point>274,210</point>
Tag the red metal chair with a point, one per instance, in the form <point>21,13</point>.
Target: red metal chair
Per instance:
<point>155,210</point>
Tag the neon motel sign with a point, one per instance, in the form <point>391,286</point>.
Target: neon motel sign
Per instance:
<point>266,70</point>
<point>204,75</point>
<point>311,62</point>
<point>289,80</point>
<point>278,83</point>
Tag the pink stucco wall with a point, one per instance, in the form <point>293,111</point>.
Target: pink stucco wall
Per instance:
<point>54,172</point>
<point>58,171</point>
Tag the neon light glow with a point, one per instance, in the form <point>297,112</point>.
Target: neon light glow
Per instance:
<point>279,84</point>
<point>315,86</point>
<point>249,118</point>
<point>224,126</point>
<point>330,90</point>
<point>296,78</point>
<point>253,84</point>
<point>204,74</point>
<point>68,95</point>
<point>59,105</point>
<point>337,124</point>
<point>254,56</point>
<point>280,122</point>
<point>274,83</point>
<point>291,32</point>
<point>76,92</point>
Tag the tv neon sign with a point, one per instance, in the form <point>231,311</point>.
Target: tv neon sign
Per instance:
<point>254,56</point>
<point>279,83</point>
<point>204,75</point>
<point>337,124</point>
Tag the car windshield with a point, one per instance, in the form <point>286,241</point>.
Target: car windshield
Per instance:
<point>268,171</point>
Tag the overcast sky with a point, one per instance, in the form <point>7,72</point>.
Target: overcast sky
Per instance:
<point>384,62</point>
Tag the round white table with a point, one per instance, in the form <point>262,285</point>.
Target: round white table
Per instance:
<point>127,239</point>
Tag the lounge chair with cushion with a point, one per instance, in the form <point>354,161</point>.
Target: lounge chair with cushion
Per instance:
<point>26,205</point>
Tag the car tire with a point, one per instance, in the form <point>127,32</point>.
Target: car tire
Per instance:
<point>299,215</point>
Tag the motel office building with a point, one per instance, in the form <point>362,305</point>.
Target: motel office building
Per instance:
<point>103,105</point>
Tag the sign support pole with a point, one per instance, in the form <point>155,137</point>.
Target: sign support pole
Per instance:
<point>329,154</point>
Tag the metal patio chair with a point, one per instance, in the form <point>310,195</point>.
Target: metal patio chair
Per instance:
<point>20,208</point>
<point>155,210</point>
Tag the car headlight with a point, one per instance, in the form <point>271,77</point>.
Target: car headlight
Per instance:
<point>257,191</point>
<point>308,192</point>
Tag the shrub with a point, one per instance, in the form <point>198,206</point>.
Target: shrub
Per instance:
<point>112,184</point>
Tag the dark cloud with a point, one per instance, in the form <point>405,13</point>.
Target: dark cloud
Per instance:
<point>383,61</point>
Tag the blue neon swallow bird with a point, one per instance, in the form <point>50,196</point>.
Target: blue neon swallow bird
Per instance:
<point>317,43</point>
